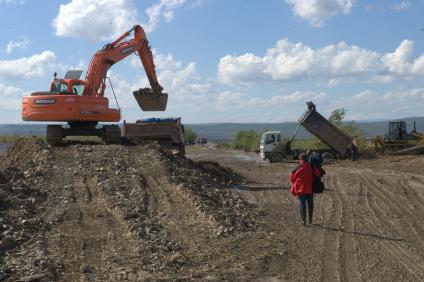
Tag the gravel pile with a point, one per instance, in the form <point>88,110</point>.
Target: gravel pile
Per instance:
<point>205,184</point>
<point>31,204</point>
<point>122,184</point>
<point>24,197</point>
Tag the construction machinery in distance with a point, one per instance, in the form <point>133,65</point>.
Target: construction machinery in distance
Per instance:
<point>274,148</point>
<point>81,103</point>
<point>398,140</point>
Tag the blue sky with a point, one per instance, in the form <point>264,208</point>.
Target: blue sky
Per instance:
<point>228,61</point>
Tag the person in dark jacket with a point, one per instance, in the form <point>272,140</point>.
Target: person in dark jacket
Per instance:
<point>315,159</point>
<point>354,151</point>
<point>301,178</point>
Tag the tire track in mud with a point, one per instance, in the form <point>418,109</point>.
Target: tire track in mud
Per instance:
<point>409,204</point>
<point>89,240</point>
<point>349,267</point>
<point>330,270</point>
<point>409,259</point>
<point>380,206</point>
<point>379,222</point>
<point>170,202</point>
<point>373,233</point>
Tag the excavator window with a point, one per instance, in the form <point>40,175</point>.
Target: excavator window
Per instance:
<point>63,88</point>
<point>78,89</point>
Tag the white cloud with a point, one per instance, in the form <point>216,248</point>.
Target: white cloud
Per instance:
<point>163,9</point>
<point>401,6</point>
<point>373,105</point>
<point>247,68</point>
<point>177,78</point>
<point>11,97</point>
<point>296,97</point>
<point>297,61</point>
<point>17,45</point>
<point>95,20</point>
<point>34,66</point>
<point>316,12</point>
<point>9,90</point>
<point>107,19</point>
<point>399,60</point>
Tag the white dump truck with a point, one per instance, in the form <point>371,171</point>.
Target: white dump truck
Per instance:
<point>275,149</point>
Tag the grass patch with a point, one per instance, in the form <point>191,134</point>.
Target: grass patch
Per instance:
<point>10,139</point>
<point>89,139</point>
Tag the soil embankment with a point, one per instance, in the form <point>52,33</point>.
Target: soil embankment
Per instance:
<point>85,212</point>
<point>114,213</point>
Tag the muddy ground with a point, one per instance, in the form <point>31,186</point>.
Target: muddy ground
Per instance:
<point>87,212</point>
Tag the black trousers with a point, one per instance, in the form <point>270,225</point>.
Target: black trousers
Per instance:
<point>306,200</point>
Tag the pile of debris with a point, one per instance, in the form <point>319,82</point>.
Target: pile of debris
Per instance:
<point>207,182</point>
<point>24,174</point>
<point>38,183</point>
<point>19,206</point>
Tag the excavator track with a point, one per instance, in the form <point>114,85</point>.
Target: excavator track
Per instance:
<point>54,134</point>
<point>112,134</point>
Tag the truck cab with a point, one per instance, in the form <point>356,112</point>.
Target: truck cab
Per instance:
<point>270,141</point>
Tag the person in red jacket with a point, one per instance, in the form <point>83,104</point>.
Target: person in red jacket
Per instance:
<point>301,178</point>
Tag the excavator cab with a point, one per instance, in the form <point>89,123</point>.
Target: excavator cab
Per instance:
<point>67,86</point>
<point>71,84</point>
<point>148,100</point>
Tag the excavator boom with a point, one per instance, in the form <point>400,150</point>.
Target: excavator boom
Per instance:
<point>148,99</point>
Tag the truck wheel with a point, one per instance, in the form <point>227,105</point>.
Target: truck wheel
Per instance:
<point>276,158</point>
<point>327,156</point>
<point>112,134</point>
<point>54,134</point>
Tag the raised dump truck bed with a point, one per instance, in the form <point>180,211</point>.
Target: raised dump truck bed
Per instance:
<point>325,131</point>
<point>168,132</point>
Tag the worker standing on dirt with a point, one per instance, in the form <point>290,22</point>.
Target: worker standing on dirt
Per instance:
<point>302,178</point>
<point>354,150</point>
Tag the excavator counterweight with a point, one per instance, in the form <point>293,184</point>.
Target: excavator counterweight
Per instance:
<point>150,101</point>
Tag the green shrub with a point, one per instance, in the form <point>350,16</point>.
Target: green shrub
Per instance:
<point>247,140</point>
<point>351,129</point>
<point>189,135</point>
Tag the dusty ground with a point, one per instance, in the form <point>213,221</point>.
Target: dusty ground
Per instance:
<point>114,213</point>
<point>368,225</point>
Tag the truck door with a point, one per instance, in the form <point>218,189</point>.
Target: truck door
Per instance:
<point>270,142</point>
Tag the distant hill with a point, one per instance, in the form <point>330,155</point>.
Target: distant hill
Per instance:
<point>227,131</point>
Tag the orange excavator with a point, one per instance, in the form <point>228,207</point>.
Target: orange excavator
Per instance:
<point>81,103</point>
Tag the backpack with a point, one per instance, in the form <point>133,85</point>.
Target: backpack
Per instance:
<point>317,185</point>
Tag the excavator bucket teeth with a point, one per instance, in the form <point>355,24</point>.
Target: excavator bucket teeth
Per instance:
<point>150,101</point>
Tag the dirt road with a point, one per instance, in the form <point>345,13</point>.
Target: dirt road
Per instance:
<point>368,225</point>
<point>87,212</point>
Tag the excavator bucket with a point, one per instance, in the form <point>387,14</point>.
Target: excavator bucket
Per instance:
<point>149,100</point>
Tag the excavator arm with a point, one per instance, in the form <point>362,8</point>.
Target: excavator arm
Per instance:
<point>148,99</point>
